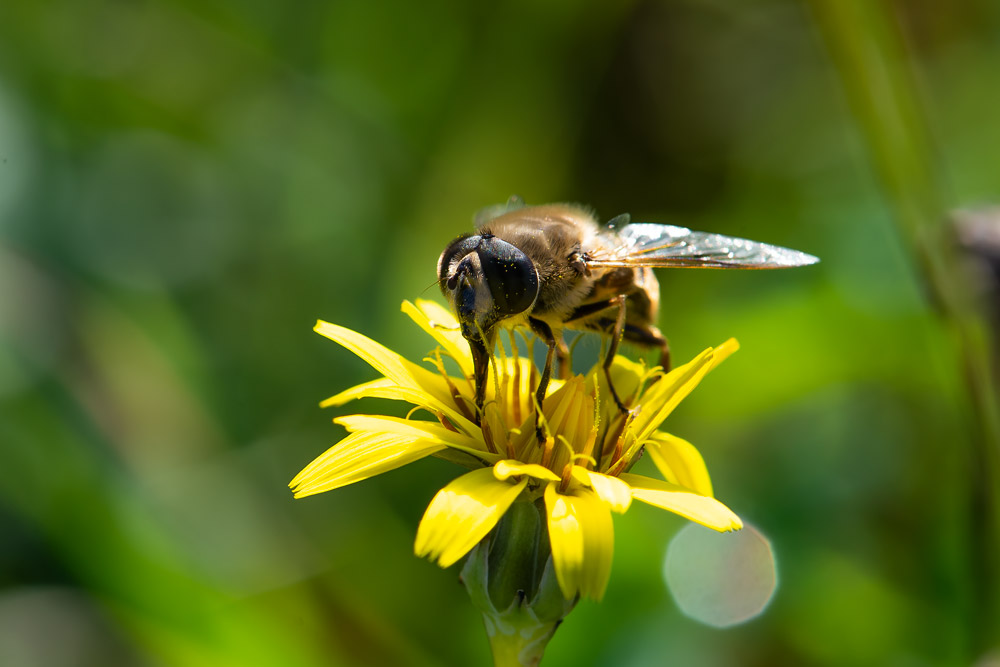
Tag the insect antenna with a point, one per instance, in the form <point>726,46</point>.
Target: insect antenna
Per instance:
<point>437,282</point>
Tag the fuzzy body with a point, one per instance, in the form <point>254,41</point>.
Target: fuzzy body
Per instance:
<point>559,239</point>
<point>553,268</point>
<point>551,236</point>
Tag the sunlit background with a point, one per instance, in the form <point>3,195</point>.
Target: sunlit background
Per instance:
<point>186,187</point>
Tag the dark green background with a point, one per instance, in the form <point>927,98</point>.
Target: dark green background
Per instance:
<point>186,186</point>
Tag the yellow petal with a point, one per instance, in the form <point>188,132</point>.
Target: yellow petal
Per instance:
<point>411,382</point>
<point>679,500</point>
<point>659,401</point>
<point>462,514</point>
<point>507,468</point>
<point>408,428</point>
<point>467,458</point>
<point>611,490</point>
<point>443,327</point>
<point>582,539</point>
<point>519,390</point>
<point>722,352</point>
<point>569,414</point>
<point>381,358</point>
<point>376,388</point>
<point>424,400</point>
<point>440,316</point>
<point>360,456</point>
<point>416,428</point>
<point>679,462</point>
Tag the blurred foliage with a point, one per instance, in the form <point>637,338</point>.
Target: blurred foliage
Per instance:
<point>185,187</point>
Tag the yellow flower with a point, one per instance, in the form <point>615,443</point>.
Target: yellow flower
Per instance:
<point>580,472</point>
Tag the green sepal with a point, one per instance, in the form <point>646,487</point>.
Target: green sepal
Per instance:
<point>511,580</point>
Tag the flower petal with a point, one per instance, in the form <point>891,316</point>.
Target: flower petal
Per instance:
<point>571,419</point>
<point>413,383</point>
<point>379,388</point>
<point>414,428</point>
<point>612,491</point>
<point>443,327</point>
<point>463,513</point>
<point>679,500</point>
<point>467,458</point>
<point>659,401</point>
<point>679,462</point>
<point>517,387</point>
<point>722,352</point>
<point>381,358</point>
<point>360,456</point>
<point>582,538</point>
<point>507,468</point>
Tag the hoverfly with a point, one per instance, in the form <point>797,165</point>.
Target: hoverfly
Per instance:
<point>552,267</point>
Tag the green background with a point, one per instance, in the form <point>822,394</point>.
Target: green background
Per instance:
<point>185,187</point>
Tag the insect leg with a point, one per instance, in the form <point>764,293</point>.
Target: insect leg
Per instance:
<point>647,335</point>
<point>543,331</point>
<point>616,336</point>
<point>562,359</point>
<point>481,368</point>
<point>589,309</point>
<point>638,332</point>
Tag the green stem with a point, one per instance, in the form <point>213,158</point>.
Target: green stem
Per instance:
<point>870,58</point>
<point>515,646</point>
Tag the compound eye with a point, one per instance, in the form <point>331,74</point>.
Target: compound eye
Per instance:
<point>510,275</point>
<point>460,247</point>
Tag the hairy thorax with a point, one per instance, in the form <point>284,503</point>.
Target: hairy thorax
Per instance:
<point>554,237</point>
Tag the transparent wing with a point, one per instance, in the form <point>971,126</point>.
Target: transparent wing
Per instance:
<point>647,244</point>
<point>491,212</point>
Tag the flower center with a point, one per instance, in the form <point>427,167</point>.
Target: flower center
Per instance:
<point>580,427</point>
